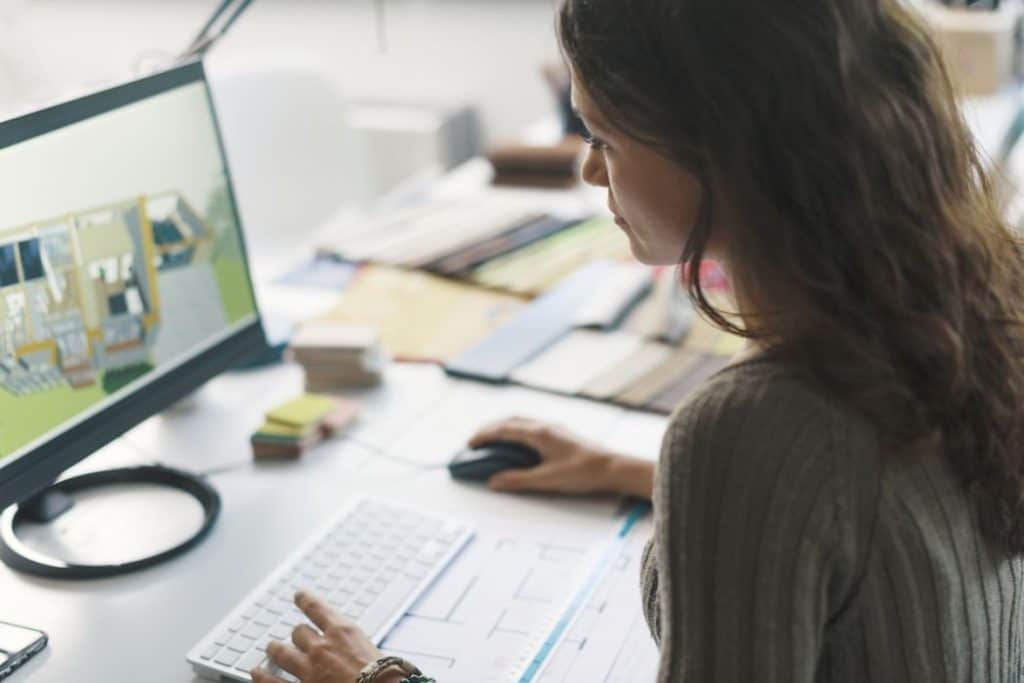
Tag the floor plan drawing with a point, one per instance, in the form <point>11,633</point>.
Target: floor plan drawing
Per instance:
<point>476,623</point>
<point>608,639</point>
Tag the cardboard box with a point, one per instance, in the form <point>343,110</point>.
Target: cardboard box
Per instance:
<point>977,44</point>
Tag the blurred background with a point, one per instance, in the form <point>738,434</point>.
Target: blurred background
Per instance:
<point>328,103</point>
<point>485,52</point>
<point>389,151</point>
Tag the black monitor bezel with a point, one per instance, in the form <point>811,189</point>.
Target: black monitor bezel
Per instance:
<point>34,471</point>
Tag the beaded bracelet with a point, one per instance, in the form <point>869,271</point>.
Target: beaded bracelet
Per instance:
<point>418,678</point>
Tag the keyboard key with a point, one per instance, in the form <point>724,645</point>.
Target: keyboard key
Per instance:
<point>210,652</point>
<point>278,607</point>
<point>241,644</point>
<point>251,661</point>
<point>382,610</point>
<point>254,630</point>
<point>290,621</point>
<point>431,551</point>
<point>266,618</point>
<point>228,657</point>
<point>417,570</point>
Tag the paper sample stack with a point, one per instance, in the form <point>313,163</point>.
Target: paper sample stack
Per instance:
<point>422,234</point>
<point>627,285</point>
<point>337,355</point>
<point>536,268</point>
<point>462,262</point>
<point>423,317</point>
<point>605,333</point>
<point>291,429</point>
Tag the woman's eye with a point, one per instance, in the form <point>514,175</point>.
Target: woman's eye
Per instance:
<point>593,142</point>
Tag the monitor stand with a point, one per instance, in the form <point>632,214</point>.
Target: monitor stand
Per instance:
<point>55,501</point>
<point>46,506</point>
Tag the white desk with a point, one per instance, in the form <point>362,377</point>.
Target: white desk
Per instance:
<point>140,626</point>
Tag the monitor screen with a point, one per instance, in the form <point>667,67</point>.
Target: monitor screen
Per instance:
<point>121,260</point>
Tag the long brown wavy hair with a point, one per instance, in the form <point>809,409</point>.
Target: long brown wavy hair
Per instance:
<point>868,233</point>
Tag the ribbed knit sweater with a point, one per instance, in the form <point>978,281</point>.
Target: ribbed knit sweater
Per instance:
<point>789,548</point>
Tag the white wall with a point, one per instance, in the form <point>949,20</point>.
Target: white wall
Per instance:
<point>484,52</point>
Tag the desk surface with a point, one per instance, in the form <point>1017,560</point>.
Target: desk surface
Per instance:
<point>140,626</point>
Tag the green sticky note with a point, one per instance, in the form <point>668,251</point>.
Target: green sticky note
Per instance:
<point>303,411</point>
<point>283,431</point>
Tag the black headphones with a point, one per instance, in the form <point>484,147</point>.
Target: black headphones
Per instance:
<point>20,557</point>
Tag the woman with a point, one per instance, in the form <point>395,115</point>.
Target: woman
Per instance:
<point>845,503</point>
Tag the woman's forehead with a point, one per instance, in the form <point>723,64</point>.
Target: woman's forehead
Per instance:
<point>584,105</point>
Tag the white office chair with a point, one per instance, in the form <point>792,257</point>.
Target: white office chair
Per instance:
<point>291,153</point>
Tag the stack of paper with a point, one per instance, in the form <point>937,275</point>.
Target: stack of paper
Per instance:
<point>666,314</point>
<point>627,284</point>
<point>337,355</point>
<point>583,355</point>
<point>547,319</point>
<point>291,429</point>
<point>620,368</point>
<point>425,233</point>
<point>537,268</point>
<point>615,380</point>
<point>571,341</point>
<point>420,316</point>
<point>462,262</point>
<point>683,384</point>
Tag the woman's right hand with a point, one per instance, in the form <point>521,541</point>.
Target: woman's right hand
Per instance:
<point>568,465</point>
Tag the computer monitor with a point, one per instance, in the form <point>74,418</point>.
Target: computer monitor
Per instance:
<point>124,282</point>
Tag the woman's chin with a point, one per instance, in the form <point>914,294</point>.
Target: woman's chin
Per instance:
<point>645,256</point>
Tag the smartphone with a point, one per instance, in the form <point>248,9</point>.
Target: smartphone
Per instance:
<point>17,645</point>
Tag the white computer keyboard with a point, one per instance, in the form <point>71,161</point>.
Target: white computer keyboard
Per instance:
<point>370,564</point>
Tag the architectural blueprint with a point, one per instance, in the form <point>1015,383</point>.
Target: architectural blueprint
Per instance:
<point>499,606</point>
<point>478,621</point>
<point>608,639</point>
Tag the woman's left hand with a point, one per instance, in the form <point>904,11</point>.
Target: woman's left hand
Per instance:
<point>337,653</point>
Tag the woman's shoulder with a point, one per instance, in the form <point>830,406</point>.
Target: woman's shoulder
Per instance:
<point>755,386</point>
<point>772,405</point>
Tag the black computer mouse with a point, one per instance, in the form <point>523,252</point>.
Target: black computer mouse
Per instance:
<point>480,464</point>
